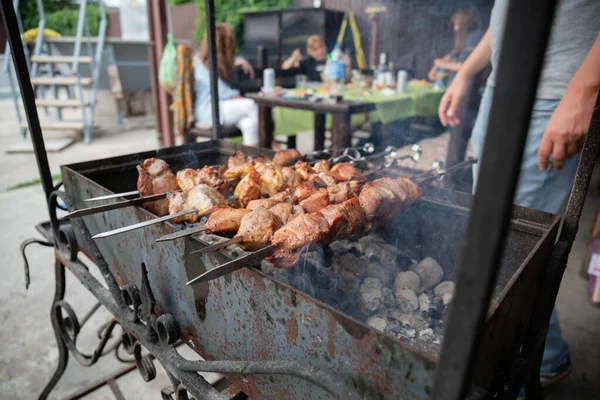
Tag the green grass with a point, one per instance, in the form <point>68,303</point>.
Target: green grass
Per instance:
<point>32,182</point>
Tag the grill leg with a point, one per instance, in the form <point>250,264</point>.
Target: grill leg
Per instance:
<point>63,354</point>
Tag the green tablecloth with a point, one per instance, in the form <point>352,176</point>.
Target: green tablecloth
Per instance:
<point>415,102</point>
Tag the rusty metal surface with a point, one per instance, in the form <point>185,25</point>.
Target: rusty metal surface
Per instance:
<point>249,316</point>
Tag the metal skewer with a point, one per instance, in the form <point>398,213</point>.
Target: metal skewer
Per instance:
<point>114,196</point>
<point>234,265</point>
<point>219,246</point>
<point>440,174</point>
<point>183,233</point>
<point>114,206</point>
<point>143,224</point>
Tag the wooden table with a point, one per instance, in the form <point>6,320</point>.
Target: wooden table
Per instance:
<point>341,131</point>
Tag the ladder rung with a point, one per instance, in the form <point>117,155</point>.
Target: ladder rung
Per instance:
<point>61,103</point>
<point>60,59</point>
<point>60,80</point>
<point>59,125</point>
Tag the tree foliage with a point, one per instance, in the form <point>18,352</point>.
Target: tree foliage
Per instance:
<point>231,12</point>
<point>61,16</point>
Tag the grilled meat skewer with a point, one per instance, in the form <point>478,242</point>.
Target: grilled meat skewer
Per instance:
<point>155,177</point>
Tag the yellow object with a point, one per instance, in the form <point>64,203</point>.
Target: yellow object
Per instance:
<point>30,34</point>
<point>349,18</point>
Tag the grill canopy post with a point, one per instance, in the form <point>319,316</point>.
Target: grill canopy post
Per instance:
<point>209,9</point>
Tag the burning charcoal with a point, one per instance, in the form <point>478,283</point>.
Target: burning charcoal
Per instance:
<point>377,250</point>
<point>430,272</point>
<point>427,335</point>
<point>419,322</point>
<point>348,282</point>
<point>431,306</point>
<point>406,300</point>
<point>388,298</point>
<point>371,294</point>
<point>350,263</point>
<point>378,323</point>
<point>445,291</point>
<point>406,332</point>
<point>407,280</point>
<point>379,271</point>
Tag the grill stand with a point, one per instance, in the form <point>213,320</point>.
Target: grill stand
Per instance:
<point>132,306</point>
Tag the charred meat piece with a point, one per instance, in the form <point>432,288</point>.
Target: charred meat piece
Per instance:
<point>285,158</point>
<point>271,180</point>
<point>394,187</point>
<point>259,159</point>
<point>342,191</point>
<point>257,229</point>
<point>248,189</point>
<point>286,211</point>
<point>307,189</point>
<point>155,177</point>
<point>322,166</point>
<point>328,179</point>
<point>345,220</point>
<point>304,170</point>
<point>291,177</point>
<point>378,203</point>
<point>237,159</point>
<point>211,175</point>
<point>345,172</point>
<point>287,196</point>
<point>226,220</point>
<point>413,192</point>
<point>301,231</point>
<point>262,203</point>
<point>316,202</point>
<point>202,198</point>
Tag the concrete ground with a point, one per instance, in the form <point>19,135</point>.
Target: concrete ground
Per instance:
<point>28,356</point>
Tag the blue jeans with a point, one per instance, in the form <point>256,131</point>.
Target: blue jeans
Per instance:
<point>542,190</point>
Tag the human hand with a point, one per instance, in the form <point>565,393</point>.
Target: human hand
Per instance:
<point>568,126</point>
<point>246,67</point>
<point>296,55</point>
<point>451,100</point>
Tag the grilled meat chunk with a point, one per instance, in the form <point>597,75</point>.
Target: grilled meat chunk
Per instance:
<point>262,203</point>
<point>322,166</point>
<point>237,159</point>
<point>345,220</point>
<point>285,158</point>
<point>301,231</point>
<point>393,186</point>
<point>345,172</point>
<point>271,180</point>
<point>307,189</point>
<point>257,229</point>
<point>259,159</point>
<point>316,202</point>
<point>155,177</point>
<point>328,179</point>
<point>202,198</point>
<point>238,172</point>
<point>340,192</point>
<point>226,220</point>
<point>287,196</point>
<point>413,192</point>
<point>286,211</point>
<point>248,189</point>
<point>211,175</point>
<point>291,177</point>
<point>378,203</point>
<point>304,170</point>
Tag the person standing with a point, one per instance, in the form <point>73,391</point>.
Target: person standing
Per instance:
<point>467,34</point>
<point>567,90</point>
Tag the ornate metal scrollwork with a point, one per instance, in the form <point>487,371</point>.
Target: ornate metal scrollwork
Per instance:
<point>181,393</point>
<point>144,363</point>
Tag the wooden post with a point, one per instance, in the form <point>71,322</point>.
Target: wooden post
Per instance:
<point>319,131</point>
<point>265,127</point>
<point>157,26</point>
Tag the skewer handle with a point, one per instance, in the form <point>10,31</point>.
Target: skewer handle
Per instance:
<point>114,206</point>
<point>184,233</point>
<point>218,246</point>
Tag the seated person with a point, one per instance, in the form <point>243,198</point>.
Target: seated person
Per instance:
<point>311,65</point>
<point>234,109</point>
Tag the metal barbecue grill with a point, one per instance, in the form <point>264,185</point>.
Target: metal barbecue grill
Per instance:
<point>251,316</point>
<point>274,341</point>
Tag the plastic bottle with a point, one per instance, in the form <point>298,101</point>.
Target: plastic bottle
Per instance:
<point>439,82</point>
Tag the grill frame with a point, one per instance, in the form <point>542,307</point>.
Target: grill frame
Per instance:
<point>375,364</point>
